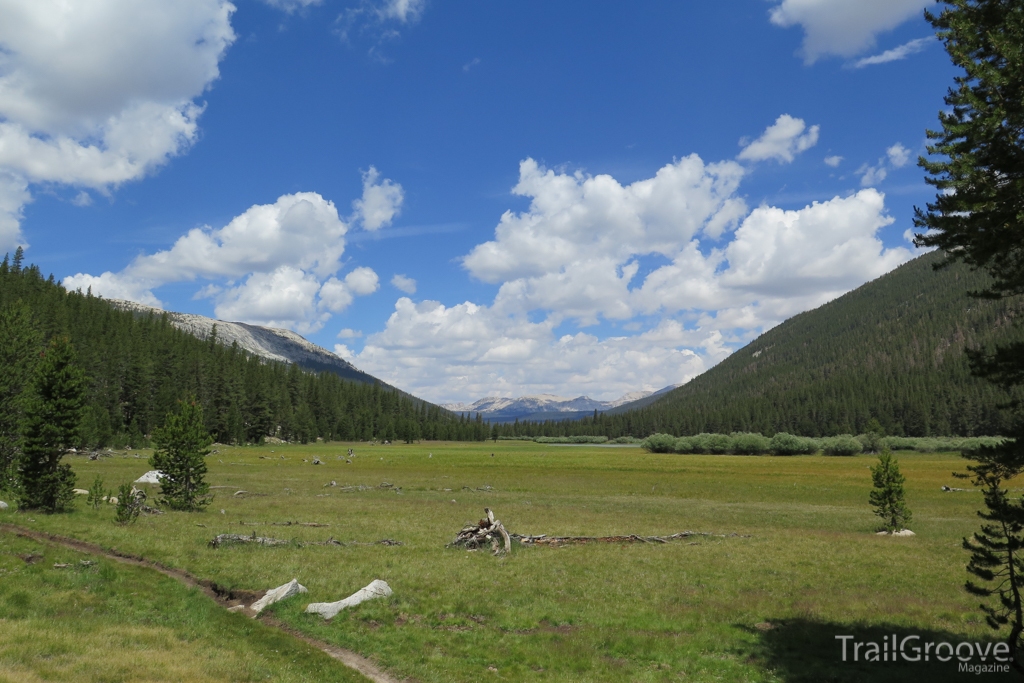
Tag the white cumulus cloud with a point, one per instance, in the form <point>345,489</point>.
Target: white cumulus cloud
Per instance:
<point>899,156</point>
<point>380,203</point>
<point>95,94</point>
<point>275,264</point>
<point>404,284</point>
<point>590,249</point>
<point>833,161</point>
<point>843,27</point>
<point>781,141</point>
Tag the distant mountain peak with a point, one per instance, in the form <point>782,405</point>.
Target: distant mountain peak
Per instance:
<point>536,405</point>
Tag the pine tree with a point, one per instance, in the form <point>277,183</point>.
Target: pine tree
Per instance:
<point>181,447</point>
<point>997,552</point>
<point>53,413</point>
<point>978,218</point>
<point>887,498</point>
<point>19,348</point>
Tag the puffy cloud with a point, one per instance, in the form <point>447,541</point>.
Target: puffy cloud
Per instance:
<point>833,161</point>
<point>872,175</point>
<point>404,284</point>
<point>114,286</point>
<point>100,93</point>
<point>380,203</point>
<point>899,156</point>
<point>577,254</point>
<point>349,333</point>
<point>286,256</point>
<point>449,353</point>
<point>895,54</point>
<point>824,249</point>
<point>302,230</point>
<point>841,27</point>
<point>576,218</point>
<point>284,297</point>
<point>781,141</point>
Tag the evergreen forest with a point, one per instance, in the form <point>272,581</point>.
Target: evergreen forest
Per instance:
<point>139,366</point>
<point>891,351</point>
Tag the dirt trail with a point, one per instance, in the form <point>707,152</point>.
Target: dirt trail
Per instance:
<point>222,597</point>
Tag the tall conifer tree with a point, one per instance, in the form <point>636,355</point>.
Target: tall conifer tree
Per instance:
<point>53,414</point>
<point>978,217</point>
<point>181,448</point>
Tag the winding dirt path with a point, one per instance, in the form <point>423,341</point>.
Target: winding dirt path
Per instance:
<point>218,594</point>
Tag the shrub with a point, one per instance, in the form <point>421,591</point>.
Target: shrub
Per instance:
<point>844,444</point>
<point>746,443</point>
<point>715,444</point>
<point>686,444</point>
<point>96,493</point>
<point>788,444</point>
<point>659,443</point>
<point>129,504</point>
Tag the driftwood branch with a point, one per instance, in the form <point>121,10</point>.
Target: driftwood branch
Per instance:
<point>222,539</point>
<point>487,531</point>
<point>483,533</point>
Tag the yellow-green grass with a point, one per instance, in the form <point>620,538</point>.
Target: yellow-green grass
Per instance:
<point>765,605</point>
<point>108,622</point>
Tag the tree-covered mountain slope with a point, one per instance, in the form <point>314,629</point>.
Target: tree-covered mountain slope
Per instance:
<point>891,350</point>
<point>139,365</point>
<point>266,342</point>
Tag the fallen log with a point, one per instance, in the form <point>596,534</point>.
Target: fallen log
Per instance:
<point>544,539</point>
<point>328,610</point>
<point>487,532</point>
<point>222,539</point>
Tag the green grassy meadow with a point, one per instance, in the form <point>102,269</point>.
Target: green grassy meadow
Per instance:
<point>764,605</point>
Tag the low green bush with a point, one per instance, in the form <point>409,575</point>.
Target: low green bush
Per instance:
<point>746,443</point>
<point>659,443</point>
<point>844,444</point>
<point>789,444</point>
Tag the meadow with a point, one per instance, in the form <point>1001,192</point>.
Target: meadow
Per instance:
<point>793,563</point>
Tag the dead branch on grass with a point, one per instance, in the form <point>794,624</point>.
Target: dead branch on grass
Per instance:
<point>486,532</point>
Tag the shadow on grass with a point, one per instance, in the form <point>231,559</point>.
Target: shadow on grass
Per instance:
<point>807,651</point>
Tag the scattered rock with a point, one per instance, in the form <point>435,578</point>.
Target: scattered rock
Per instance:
<point>240,493</point>
<point>80,492</point>
<point>289,589</point>
<point>86,563</point>
<point>901,532</point>
<point>764,626</point>
<point>328,610</point>
<point>58,565</point>
<point>236,608</point>
<point>151,477</point>
<point>316,461</point>
<point>3,505</point>
<point>949,489</point>
<point>112,500</point>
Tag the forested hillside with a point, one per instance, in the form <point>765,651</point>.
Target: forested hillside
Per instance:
<point>891,350</point>
<point>139,366</point>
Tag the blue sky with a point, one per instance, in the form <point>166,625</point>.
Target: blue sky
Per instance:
<point>472,198</point>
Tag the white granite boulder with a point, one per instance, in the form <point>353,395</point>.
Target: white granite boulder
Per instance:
<point>151,477</point>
